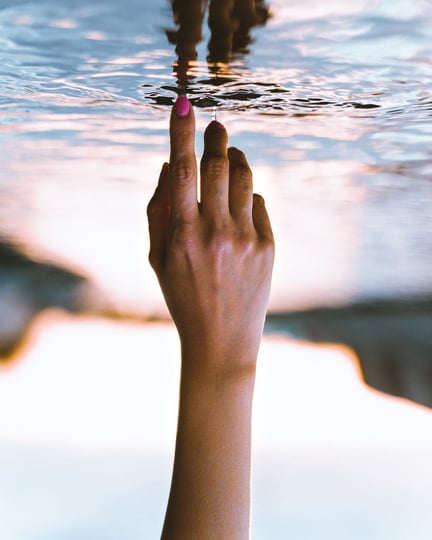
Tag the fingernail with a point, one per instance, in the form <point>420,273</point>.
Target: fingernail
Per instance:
<point>162,173</point>
<point>182,106</point>
<point>216,124</point>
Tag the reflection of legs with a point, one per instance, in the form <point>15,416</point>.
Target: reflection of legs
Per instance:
<point>230,22</point>
<point>248,13</point>
<point>188,15</point>
<point>222,28</point>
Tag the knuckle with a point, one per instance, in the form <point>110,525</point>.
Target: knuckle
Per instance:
<point>153,259</point>
<point>219,242</point>
<point>267,248</point>
<point>228,239</point>
<point>152,207</point>
<point>219,239</point>
<point>183,171</point>
<point>214,164</point>
<point>243,176</point>
<point>182,238</point>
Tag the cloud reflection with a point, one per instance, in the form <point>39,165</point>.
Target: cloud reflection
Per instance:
<point>139,365</point>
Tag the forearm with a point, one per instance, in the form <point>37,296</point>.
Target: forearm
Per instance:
<point>214,260</point>
<point>210,490</point>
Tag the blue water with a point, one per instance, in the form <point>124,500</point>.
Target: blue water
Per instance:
<point>332,103</point>
<point>110,495</point>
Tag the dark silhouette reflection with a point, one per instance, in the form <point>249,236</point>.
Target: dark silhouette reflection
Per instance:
<point>28,287</point>
<point>393,341</point>
<point>230,23</point>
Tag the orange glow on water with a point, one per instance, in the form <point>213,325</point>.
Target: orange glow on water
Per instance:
<point>93,383</point>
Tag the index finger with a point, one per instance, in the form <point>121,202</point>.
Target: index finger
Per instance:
<point>183,167</point>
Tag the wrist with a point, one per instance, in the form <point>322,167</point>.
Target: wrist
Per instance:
<point>215,367</point>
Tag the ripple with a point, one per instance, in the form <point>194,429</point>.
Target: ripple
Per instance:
<point>326,78</point>
<point>332,103</point>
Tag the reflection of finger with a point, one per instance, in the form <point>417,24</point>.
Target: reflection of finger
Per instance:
<point>183,173</point>
<point>240,185</point>
<point>260,219</point>
<point>214,170</point>
<point>158,212</point>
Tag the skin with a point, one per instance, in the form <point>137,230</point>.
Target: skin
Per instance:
<point>214,261</point>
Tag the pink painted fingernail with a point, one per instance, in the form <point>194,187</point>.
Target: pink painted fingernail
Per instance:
<point>182,106</point>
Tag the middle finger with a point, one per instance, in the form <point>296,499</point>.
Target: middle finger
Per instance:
<point>215,171</point>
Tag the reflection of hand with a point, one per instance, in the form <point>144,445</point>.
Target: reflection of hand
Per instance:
<point>213,258</point>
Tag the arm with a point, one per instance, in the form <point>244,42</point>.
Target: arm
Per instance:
<point>214,261</point>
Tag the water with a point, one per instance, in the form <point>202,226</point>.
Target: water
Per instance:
<point>87,429</point>
<point>332,104</point>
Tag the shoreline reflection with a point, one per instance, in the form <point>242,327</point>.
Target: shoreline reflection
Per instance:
<point>94,403</point>
<point>391,340</point>
<point>356,179</point>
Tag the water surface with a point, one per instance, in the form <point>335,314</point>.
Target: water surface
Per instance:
<point>331,103</point>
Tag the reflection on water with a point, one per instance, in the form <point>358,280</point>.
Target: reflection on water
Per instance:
<point>391,340</point>
<point>333,460</point>
<point>230,23</point>
<point>28,287</point>
<point>332,103</point>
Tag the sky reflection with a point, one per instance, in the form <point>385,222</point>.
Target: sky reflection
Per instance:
<point>123,372</point>
<point>341,154</point>
<point>325,445</point>
<point>336,122</point>
<point>107,167</point>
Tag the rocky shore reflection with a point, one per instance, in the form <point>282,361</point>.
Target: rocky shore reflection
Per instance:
<point>28,287</point>
<point>392,340</point>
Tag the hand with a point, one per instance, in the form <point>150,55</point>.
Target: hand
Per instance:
<point>214,261</point>
<point>213,258</point>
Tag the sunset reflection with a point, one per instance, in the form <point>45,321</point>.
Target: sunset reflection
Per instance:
<point>110,175</point>
<point>308,397</point>
<point>331,103</point>
<point>94,403</point>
